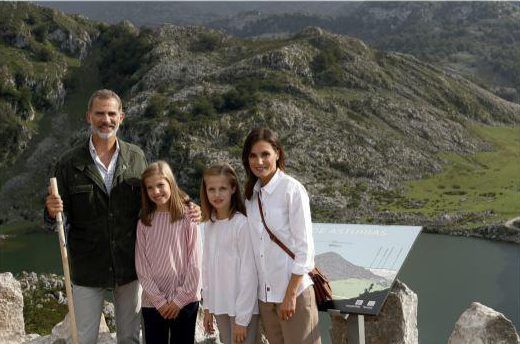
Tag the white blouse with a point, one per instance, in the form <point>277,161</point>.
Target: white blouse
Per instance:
<point>229,278</point>
<point>287,213</point>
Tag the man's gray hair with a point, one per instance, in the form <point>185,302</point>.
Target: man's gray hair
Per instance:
<point>104,94</point>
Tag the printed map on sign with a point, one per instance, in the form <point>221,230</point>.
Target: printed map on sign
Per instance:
<point>361,262</point>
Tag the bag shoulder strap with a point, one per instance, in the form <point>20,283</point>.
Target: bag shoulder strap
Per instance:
<point>271,235</point>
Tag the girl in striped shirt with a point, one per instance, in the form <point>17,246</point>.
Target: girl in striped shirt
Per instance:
<point>168,259</point>
<point>229,278</point>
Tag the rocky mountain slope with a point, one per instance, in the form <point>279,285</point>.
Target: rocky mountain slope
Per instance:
<point>357,122</point>
<point>477,39</point>
<point>37,48</point>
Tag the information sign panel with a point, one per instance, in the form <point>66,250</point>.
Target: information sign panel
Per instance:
<point>361,262</point>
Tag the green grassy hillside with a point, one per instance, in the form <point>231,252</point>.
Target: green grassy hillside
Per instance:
<point>477,183</point>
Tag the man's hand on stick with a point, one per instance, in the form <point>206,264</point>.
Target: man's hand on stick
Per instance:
<point>54,204</point>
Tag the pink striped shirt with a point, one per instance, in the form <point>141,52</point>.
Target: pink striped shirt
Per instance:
<point>168,261</point>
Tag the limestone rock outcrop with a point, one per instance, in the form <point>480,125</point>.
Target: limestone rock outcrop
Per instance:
<point>75,43</point>
<point>12,327</point>
<point>480,324</point>
<point>396,323</point>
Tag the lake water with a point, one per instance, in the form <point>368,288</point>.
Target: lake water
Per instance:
<point>447,273</point>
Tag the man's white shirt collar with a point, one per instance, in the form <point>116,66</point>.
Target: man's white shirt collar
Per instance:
<point>107,173</point>
<point>93,151</point>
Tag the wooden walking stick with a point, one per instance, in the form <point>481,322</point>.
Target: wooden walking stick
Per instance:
<point>66,272</point>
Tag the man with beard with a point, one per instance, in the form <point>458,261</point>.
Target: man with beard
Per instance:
<point>99,185</point>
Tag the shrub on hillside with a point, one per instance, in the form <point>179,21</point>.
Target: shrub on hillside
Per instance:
<point>123,52</point>
<point>203,107</point>
<point>40,32</point>
<point>156,106</point>
<point>326,64</point>
<point>45,53</point>
<point>207,41</point>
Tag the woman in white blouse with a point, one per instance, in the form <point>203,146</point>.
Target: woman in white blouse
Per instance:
<point>286,298</point>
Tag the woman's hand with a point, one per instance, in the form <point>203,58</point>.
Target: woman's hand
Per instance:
<point>288,307</point>
<point>208,322</point>
<point>239,333</point>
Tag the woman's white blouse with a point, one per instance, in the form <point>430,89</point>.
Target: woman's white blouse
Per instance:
<point>287,213</point>
<point>229,278</point>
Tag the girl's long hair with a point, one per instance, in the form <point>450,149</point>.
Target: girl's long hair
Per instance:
<point>177,198</point>
<point>260,134</point>
<point>237,204</point>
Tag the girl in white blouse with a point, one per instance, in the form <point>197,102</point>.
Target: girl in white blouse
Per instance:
<point>229,278</point>
<point>286,297</point>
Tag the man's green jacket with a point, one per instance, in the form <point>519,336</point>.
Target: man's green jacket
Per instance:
<point>101,226</point>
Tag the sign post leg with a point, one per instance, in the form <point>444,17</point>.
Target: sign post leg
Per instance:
<point>361,328</point>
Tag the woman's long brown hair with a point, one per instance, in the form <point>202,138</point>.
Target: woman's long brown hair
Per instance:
<point>260,134</point>
<point>237,204</point>
<point>177,199</point>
